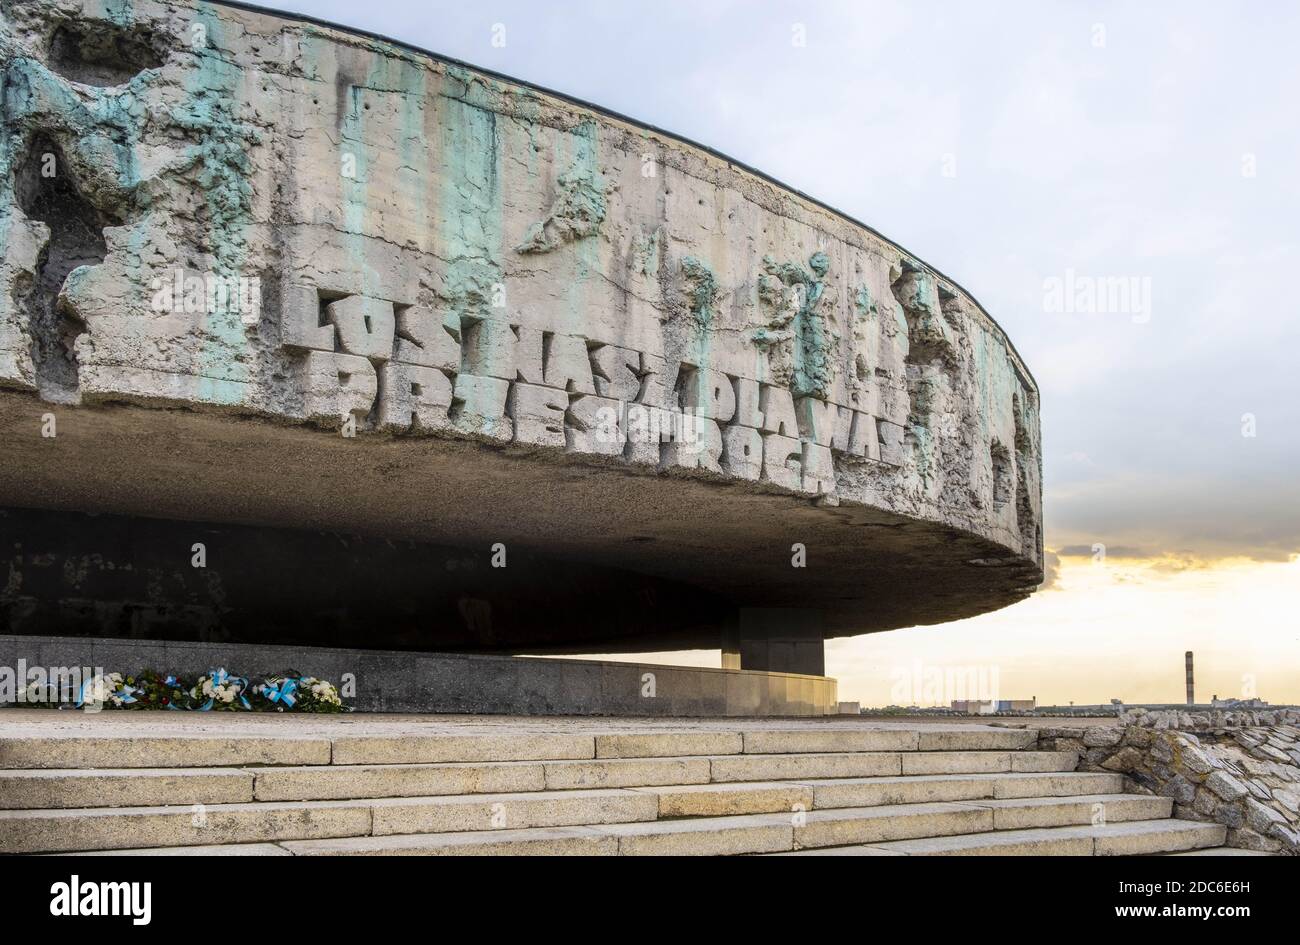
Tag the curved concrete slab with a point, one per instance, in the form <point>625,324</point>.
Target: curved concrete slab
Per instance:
<point>269,282</point>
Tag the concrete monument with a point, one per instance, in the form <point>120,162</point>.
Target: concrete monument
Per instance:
<point>310,337</point>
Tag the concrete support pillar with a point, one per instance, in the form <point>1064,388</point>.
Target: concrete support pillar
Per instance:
<point>775,640</point>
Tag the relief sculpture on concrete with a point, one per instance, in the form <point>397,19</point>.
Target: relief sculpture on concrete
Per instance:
<point>264,221</point>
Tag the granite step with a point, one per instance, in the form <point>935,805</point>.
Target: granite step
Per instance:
<point>182,751</point>
<point>746,797</point>
<point>788,767</point>
<point>41,831</point>
<point>870,825</point>
<point>919,789</point>
<point>114,828</point>
<point>631,814</point>
<point>1130,838</point>
<point>414,780</point>
<point>872,829</point>
<point>39,788</point>
<point>52,831</point>
<point>115,750</point>
<point>148,787</point>
<point>753,834</point>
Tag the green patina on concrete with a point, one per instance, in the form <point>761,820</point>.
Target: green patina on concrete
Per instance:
<point>470,239</point>
<point>701,290</point>
<point>812,355</point>
<point>803,323</point>
<point>863,302</point>
<point>224,174</point>
<point>98,138</point>
<point>455,169</point>
<point>413,80</point>
<point>469,205</point>
<point>355,166</point>
<point>576,213</point>
<point>702,295</point>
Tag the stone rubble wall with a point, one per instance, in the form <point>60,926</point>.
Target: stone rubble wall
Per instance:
<point>1240,768</point>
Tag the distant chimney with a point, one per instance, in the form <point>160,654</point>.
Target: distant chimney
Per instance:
<point>1191,688</point>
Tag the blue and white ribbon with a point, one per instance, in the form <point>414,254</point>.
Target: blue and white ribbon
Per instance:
<point>281,693</point>
<point>220,677</point>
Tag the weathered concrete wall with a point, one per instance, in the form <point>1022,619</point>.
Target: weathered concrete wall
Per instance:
<point>389,681</point>
<point>256,219</point>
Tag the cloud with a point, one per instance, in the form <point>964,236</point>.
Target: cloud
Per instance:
<point>1051,570</point>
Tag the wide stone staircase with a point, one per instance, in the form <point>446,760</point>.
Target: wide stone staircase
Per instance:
<point>804,791</point>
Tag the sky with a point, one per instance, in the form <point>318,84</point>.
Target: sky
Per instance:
<point>1031,151</point>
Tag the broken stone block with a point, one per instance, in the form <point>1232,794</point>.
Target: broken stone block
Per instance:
<point>1230,815</point>
<point>596,425</point>
<point>742,452</point>
<point>1180,789</point>
<point>16,368</point>
<point>1289,799</point>
<point>818,469</point>
<point>1102,737</point>
<point>644,428</point>
<point>1260,789</point>
<point>1261,817</point>
<point>337,386</point>
<point>708,393</point>
<point>1248,839</point>
<point>538,414</point>
<point>842,438</point>
<point>695,443</point>
<point>1194,760</point>
<point>479,407</point>
<point>749,411</point>
<point>300,323</point>
<point>779,417</point>
<point>1205,802</point>
<point>1288,835</point>
<point>658,382</point>
<point>617,372</point>
<point>568,367</point>
<point>1161,751</point>
<point>493,348</point>
<point>414,396</point>
<point>425,337</point>
<point>891,442</point>
<point>1225,786</point>
<point>818,420</point>
<point>1126,759</point>
<point>782,461</point>
<point>365,326</point>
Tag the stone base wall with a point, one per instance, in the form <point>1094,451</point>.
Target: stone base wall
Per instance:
<point>396,681</point>
<point>1238,769</point>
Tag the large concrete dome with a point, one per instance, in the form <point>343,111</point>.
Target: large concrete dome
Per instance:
<point>303,332</point>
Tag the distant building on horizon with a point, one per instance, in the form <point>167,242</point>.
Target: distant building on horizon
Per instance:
<point>991,706</point>
<point>1218,703</point>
